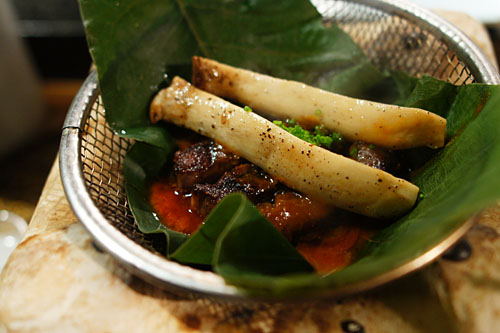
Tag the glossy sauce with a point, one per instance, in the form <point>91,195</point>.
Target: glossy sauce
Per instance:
<point>335,249</point>
<point>326,249</point>
<point>173,208</point>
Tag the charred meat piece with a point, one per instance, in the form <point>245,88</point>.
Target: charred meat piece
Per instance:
<point>202,162</point>
<point>244,178</point>
<point>374,156</point>
<point>292,213</point>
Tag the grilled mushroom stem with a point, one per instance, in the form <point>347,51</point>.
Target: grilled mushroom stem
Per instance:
<point>388,126</point>
<point>314,171</point>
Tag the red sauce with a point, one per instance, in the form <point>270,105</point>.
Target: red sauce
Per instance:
<point>173,208</point>
<point>331,242</point>
<point>326,249</point>
<point>333,251</point>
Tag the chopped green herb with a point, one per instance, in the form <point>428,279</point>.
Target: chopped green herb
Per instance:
<point>354,152</point>
<point>325,141</point>
<point>247,108</point>
<point>320,129</point>
<point>319,137</point>
<point>336,137</point>
<point>319,113</point>
<point>371,146</point>
<point>290,122</point>
<point>420,196</point>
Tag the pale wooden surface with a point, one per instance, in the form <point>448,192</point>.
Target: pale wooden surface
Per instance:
<point>57,281</point>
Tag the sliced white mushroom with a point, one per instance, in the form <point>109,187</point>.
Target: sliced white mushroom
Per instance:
<point>388,126</point>
<point>314,171</point>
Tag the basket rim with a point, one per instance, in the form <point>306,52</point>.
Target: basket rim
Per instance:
<point>180,278</point>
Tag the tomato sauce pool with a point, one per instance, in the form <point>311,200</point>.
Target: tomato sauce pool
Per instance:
<point>173,208</point>
<point>326,250</point>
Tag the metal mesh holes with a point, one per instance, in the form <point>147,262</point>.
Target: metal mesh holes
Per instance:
<point>102,155</point>
<point>394,43</point>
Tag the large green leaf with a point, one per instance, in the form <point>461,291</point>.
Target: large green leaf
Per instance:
<point>461,180</point>
<point>284,38</point>
<point>132,44</point>
<point>137,46</point>
<point>200,247</point>
<point>143,163</point>
<point>236,237</point>
<point>251,244</point>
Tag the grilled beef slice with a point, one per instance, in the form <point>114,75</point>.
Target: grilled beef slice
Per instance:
<point>202,162</point>
<point>245,178</point>
<point>374,156</point>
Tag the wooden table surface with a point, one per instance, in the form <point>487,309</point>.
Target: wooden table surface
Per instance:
<point>58,281</point>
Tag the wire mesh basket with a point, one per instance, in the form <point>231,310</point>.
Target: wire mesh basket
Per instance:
<point>394,36</point>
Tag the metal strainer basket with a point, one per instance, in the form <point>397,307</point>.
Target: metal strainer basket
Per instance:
<point>395,36</point>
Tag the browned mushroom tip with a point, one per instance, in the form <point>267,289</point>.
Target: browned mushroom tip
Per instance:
<point>439,143</point>
<point>196,59</point>
<point>155,113</point>
<point>440,135</point>
<point>199,74</point>
<point>195,62</point>
<point>179,83</point>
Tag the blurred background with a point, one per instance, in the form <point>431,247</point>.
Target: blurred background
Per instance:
<point>43,62</point>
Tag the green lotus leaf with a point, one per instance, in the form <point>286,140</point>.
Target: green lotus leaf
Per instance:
<point>139,46</point>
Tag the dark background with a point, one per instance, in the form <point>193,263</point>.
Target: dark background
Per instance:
<point>53,36</point>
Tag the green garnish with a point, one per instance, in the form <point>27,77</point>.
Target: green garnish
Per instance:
<point>319,137</point>
<point>371,146</point>
<point>318,112</point>
<point>354,152</point>
<point>336,136</point>
<point>247,108</point>
<point>321,129</point>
